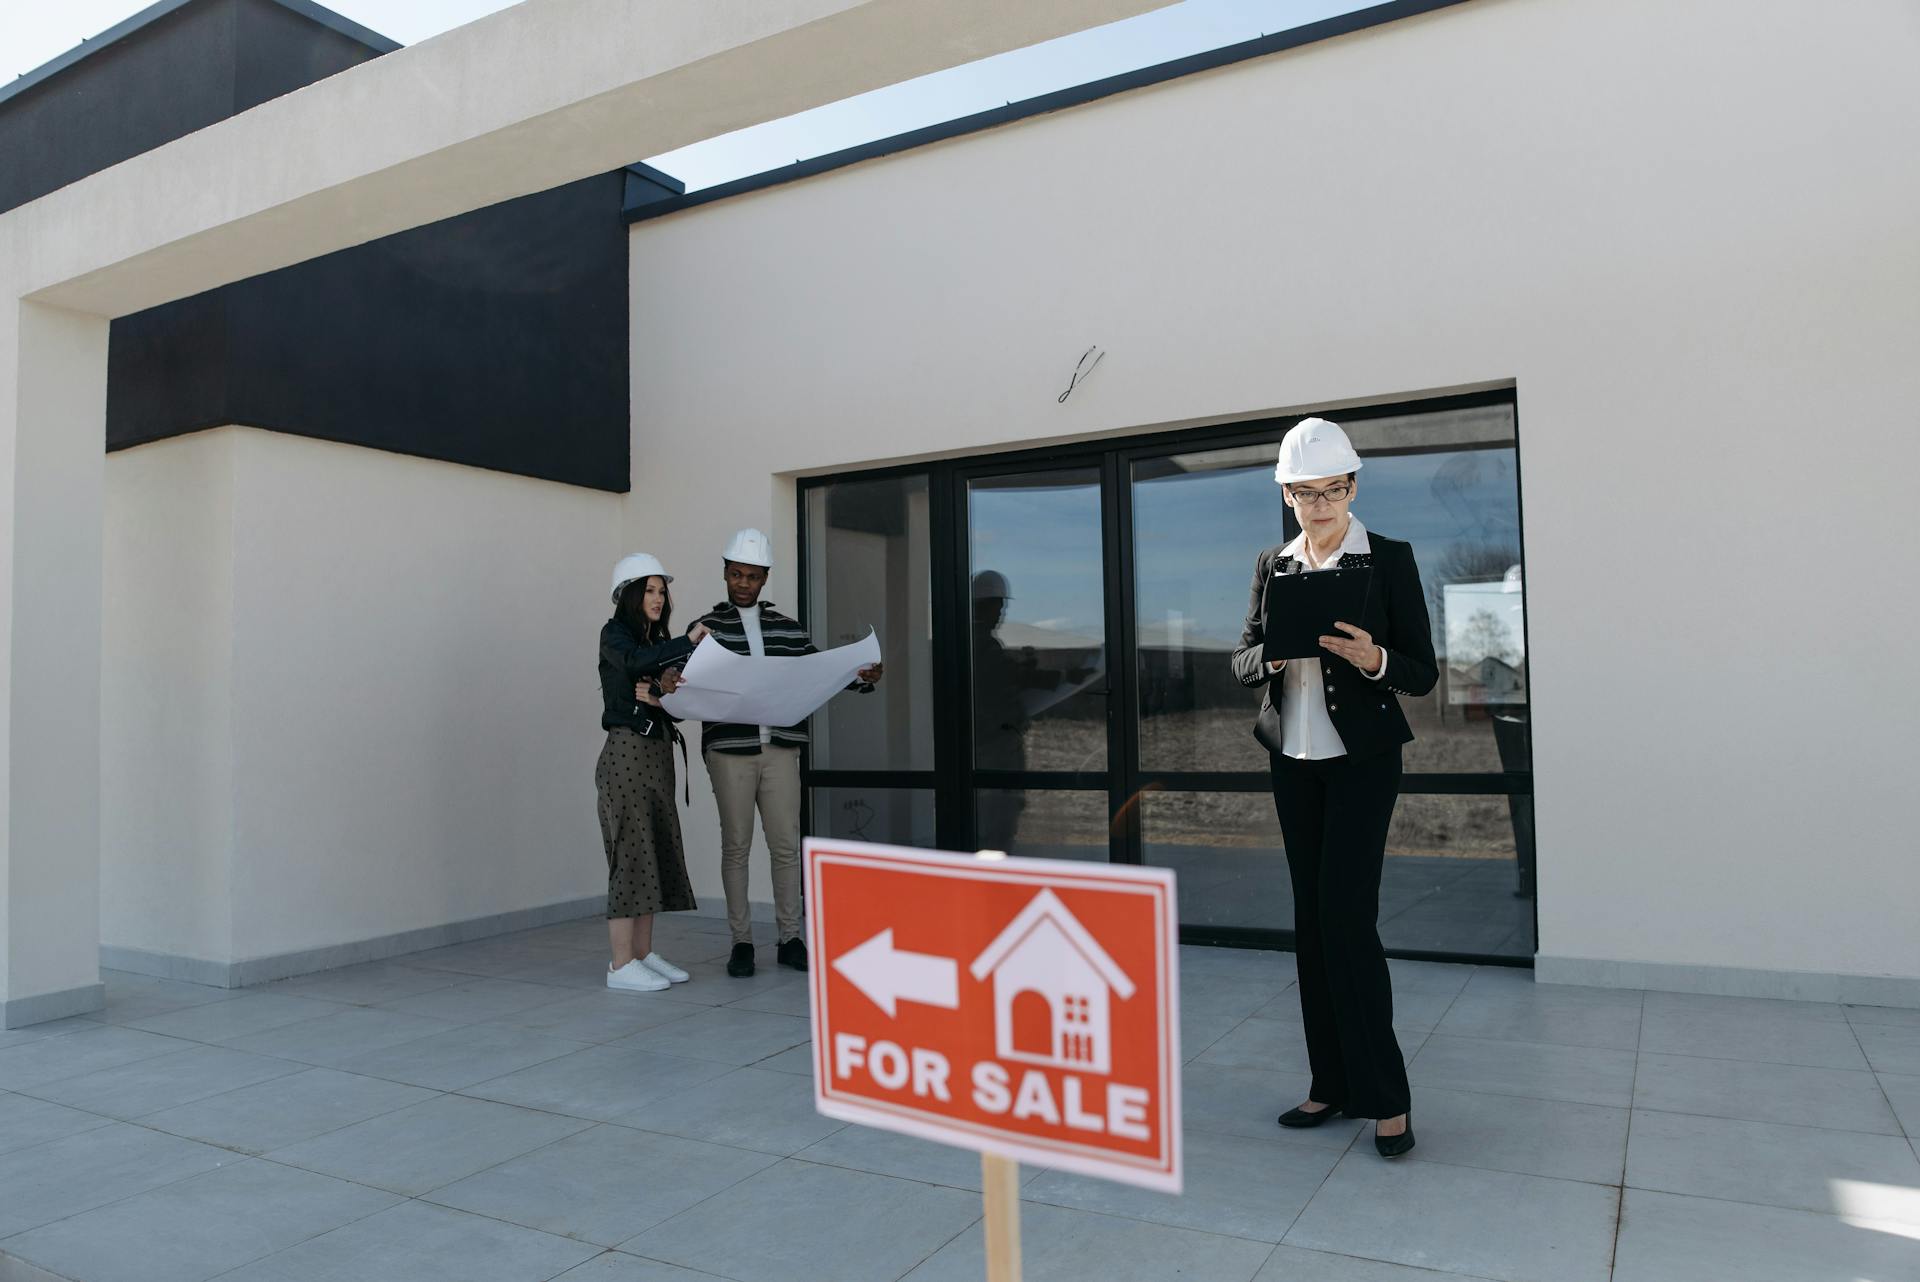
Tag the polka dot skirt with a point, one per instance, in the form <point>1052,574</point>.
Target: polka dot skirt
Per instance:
<point>640,826</point>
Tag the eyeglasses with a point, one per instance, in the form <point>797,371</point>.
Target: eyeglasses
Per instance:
<point>1332,494</point>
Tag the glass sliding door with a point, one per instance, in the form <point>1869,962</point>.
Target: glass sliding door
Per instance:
<point>1199,520</point>
<point>871,763</point>
<point>1036,661</point>
<point>1460,854</point>
<point>1057,628</point>
<point>1459,872</point>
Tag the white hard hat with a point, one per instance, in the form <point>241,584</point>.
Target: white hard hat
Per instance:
<point>750,547</point>
<point>638,565</point>
<point>991,585</point>
<point>1312,450</point>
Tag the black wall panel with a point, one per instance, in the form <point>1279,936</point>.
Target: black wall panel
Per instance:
<point>167,371</point>
<point>131,96</point>
<point>280,51</point>
<point>496,339</point>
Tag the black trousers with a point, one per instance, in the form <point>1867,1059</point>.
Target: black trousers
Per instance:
<point>1334,815</point>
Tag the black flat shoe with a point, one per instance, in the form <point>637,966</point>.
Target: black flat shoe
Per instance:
<point>1394,1145</point>
<point>793,953</point>
<point>1299,1119</point>
<point>740,964</point>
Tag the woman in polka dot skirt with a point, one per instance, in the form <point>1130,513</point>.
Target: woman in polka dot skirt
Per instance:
<point>639,823</point>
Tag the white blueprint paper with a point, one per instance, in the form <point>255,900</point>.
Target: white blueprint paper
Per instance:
<point>780,690</point>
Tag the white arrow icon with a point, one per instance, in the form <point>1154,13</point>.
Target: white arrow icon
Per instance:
<point>889,975</point>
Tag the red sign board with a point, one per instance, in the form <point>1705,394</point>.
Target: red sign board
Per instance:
<point>1024,1007</point>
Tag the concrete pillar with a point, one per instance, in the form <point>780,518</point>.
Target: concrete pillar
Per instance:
<point>53,407</point>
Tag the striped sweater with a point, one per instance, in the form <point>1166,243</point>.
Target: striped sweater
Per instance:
<point>779,635</point>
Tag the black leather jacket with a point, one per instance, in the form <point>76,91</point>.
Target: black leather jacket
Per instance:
<point>625,661</point>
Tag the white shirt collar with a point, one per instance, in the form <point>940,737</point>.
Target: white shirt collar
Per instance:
<point>1355,543</point>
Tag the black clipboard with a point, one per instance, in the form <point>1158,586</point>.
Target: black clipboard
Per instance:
<point>1302,608</point>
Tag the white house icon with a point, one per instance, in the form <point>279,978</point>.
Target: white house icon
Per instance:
<point>1051,988</point>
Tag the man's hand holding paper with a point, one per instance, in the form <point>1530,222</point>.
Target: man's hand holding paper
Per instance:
<point>718,685</point>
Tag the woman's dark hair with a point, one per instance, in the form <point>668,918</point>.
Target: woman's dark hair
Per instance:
<point>633,612</point>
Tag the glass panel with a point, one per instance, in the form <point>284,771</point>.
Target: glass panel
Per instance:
<point>1225,847</point>
<point>868,567</point>
<point>1455,880</point>
<point>1039,621</point>
<point>1198,520</point>
<point>897,816</point>
<point>1459,506</point>
<point>1043,823</point>
<point>1452,882</point>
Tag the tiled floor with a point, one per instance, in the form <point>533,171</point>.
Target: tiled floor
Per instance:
<point>490,1113</point>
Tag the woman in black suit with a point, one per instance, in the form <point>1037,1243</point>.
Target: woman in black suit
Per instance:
<point>1334,728</point>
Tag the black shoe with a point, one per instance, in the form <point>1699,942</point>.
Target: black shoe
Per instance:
<point>1394,1145</point>
<point>792,953</point>
<point>1301,1119</point>
<point>740,965</point>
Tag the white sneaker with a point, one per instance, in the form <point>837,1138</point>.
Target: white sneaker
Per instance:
<point>635,977</point>
<point>661,966</point>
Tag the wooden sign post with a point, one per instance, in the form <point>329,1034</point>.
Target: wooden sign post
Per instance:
<point>1000,1180</point>
<point>1025,1008</point>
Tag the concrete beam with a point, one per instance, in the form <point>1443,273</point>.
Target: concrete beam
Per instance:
<point>53,411</point>
<point>523,100</point>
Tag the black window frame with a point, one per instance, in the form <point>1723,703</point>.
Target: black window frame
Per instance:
<point>953,779</point>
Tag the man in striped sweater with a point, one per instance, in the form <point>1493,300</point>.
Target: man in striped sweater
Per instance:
<point>759,766</point>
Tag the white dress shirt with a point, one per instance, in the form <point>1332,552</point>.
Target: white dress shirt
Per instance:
<point>1308,732</point>
<point>757,647</point>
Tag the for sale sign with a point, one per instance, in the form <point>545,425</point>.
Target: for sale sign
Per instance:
<point>1024,1007</point>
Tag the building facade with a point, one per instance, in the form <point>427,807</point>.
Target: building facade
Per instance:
<point>1628,363</point>
<point>1583,316</point>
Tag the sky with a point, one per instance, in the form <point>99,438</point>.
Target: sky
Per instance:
<point>34,31</point>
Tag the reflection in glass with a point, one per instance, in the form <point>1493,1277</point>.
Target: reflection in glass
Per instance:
<point>1457,500</point>
<point>1042,823</point>
<point>896,816</point>
<point>1038,627</point>
<point>868,567</point>
<point>1225,848</point>
<point>1446,482</point>
<point>1450,883</point>
<point>1460,510</point>
<point>1199,521</point>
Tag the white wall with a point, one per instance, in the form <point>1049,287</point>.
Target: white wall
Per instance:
<point>166,757</point>
<point>1684,231</point>
<point>416,707</point>
<point>389,694</point>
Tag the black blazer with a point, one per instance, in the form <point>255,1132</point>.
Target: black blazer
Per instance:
<point>1365,712</point>
<point>625,661</point>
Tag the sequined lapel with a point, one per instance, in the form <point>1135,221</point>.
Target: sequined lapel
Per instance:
<point>1348,561</point>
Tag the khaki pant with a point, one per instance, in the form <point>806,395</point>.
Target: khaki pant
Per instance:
<point>770,779</point>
